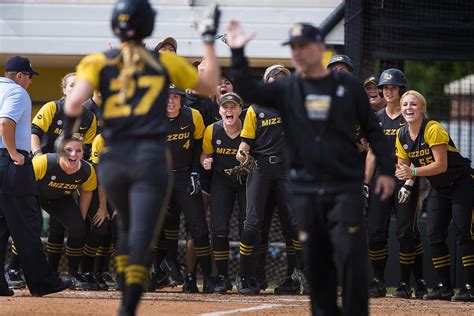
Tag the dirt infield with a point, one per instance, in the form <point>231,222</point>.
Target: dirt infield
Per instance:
<point>175,303</point>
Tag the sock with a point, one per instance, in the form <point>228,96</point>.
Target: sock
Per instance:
<point>220,243</point>
<point>378,254</point>
<point>247,243</point>
<point>442,262</point>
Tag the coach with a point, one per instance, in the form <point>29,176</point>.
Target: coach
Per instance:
<point>320,110</point>
<point>20,215</point>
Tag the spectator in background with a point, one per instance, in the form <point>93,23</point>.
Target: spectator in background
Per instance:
<point>169,44</point>
<point>376,99</point>
<point>341,63</point>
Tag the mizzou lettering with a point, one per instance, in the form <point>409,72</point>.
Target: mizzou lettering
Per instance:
<point>58,131</point>
<point>419,153</point>
<point>62,185</point>
<point>178,136</point>
<point>271,121</point>
<point>390,132</point>
<point>226,151</point>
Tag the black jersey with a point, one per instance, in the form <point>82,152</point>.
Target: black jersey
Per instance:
<point>389,127</point>
<point>54,183</point>
<point>48,125</point>
<point>263,130</point>
<point>419,153</point>
<point>144,113</point>
<point>223,149</point>
<point>184,131</point>
<point>209,109</point>
<point>94,108</point>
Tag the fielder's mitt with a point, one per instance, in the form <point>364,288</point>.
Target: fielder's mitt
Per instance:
<point>245,167</point>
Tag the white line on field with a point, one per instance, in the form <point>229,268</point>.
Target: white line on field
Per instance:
<point>242,310</point>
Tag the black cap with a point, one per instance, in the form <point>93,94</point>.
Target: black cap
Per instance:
<point>372,79</point>
<point>20,64</point>
<point>341,59</point>
<point>231,97</point>
<point>173,89</point>
<point>228,76</point>
<point>305,33</point>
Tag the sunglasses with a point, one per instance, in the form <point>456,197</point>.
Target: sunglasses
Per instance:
<point>28,74</point>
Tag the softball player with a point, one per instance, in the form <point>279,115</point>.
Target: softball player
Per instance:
<point>403,201</point>
<point>220,144</point>
<point>59,176</point>
<point>136,164</point>
<point>424,149</point>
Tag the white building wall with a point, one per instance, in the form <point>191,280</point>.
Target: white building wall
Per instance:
<point>79,27</point>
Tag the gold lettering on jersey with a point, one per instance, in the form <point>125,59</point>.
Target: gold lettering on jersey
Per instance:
<point>419,153</point>
<point>226,151</point>
<point>58,131</point>
<point>62,185</point>
<point>390,132</point>
<point>178,136</point>
<point>271,121</point>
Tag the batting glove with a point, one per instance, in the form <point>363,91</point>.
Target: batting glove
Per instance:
<point>365,194</point>
<point>195,184</point>
<point>207,26</point>
<point>405,191</point>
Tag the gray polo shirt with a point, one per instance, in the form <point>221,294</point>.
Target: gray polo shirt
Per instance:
<point>15,104</point>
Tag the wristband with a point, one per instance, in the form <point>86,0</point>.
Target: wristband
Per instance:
<point>414,171</point>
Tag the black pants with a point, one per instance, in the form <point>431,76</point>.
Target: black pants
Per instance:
<point>334,240</point>
<point>20,217</point>
<point>224,194</point>
<point>137,179</point>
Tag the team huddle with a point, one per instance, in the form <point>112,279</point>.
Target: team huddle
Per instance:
<point>141,136</point>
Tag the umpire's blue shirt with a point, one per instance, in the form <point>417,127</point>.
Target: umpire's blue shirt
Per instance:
<point>15,104</point>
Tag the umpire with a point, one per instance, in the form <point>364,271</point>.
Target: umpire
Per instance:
<point>20,215</point>
<point>320,110</point>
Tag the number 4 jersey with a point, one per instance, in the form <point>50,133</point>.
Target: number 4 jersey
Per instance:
<point>143,114</point>
<point>419,152</point>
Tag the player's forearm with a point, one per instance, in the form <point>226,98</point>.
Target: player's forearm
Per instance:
<point>84,202</point>
<point>102,197</point>
<point>209,77</point>
<point>35,144</point>
<point>7,130</point>
<point>370,163</point>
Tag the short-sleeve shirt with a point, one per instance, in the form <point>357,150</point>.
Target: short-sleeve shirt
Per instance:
<point>15,104</point>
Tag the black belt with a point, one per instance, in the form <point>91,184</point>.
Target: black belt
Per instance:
<point>270,159</point>
<point>4,152</point>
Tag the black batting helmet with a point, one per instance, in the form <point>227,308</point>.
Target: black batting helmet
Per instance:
<point>393,77</point>
<point>341,59</point>
<point>133,20</point>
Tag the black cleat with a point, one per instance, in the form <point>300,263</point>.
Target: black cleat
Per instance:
<point>377,288</point>
<point>403,291</point>
<point>208,285</point>
<point>171,267</point>
<point>190,285</point>
<point>101,282</point>
<point>92,280</point>
<point>80,282</point>
<point>14,279</point>
<point>223,284</point>
<point>288,287</point>
<point>465,294</point>
<point>247,286</point>
<point>65,284</point>
<point>440,292</point>
<point>6,292</point>
<point>109,280</point>
<point>420,289</point>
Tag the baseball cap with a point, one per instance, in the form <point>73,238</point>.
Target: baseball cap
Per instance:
<point>228,76</point>
<point>231,97</point>
<point>304,33</point>
<point>273,70</point>
<point>372,79</point>
<point>341,59</point>
<point>20,64</point>
<point>173,89</point>
<point>168,40</point>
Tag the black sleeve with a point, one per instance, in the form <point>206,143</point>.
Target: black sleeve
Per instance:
<point>196,167</point>
<point>250,89</point>
<point>370,127</point>
<point>35,130</point>
<point>248,141</point>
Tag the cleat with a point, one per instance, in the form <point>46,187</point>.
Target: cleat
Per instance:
<point>171,267</point>
<point>190,285</point>
<point>208,285</point>
<point>403,291</point>
<point>14,279</point>
<point>65,284</point>
<point>92,280</point>
<point>247,286</point>
<point>223,284</point>
<point>420,289</point>
<point>80,282</point>
<point>299,276</point>
<point>101,282</point>
<point>440,292</point>
<point>377,288</point>
<point>465,294</point>
<point>288,287</point>
<point>109,280</point>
